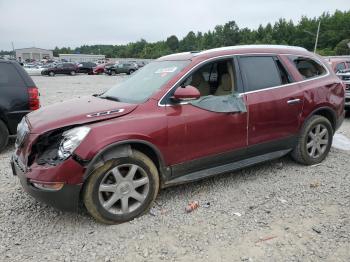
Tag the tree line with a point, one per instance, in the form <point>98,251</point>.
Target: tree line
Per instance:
<point>334,38</point>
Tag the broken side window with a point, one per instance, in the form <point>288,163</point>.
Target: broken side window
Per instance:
<point>216,83</point>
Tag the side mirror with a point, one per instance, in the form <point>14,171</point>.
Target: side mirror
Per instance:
<point>186,93</point>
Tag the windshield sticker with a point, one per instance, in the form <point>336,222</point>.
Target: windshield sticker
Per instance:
<point>166,70</point>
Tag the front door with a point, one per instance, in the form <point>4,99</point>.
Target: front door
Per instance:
<point>207,134</point>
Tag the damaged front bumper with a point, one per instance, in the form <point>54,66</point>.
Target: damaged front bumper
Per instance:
<point>69,173</point>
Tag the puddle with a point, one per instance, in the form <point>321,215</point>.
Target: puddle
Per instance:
<point>341,142</point>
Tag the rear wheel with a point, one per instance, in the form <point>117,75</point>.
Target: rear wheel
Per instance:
<point>131,71</point>
<point>52,73</point>
<point>314,142</point>
<point>72,73</point>
<point>4,135</point>
<point>122,189</point>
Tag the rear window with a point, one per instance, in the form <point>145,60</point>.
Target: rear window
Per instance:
<point>260,72</point>
<point>9,76</point>
<point>308,67</point>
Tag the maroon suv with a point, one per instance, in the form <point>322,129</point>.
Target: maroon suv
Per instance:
<point>181,118</point>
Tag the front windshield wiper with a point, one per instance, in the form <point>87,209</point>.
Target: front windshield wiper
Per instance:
<point>113,98</point>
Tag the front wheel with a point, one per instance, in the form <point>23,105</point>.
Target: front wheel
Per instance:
<point>314,141</point>
<point>131,71</point>
<point>122,189</point>
<point>52,73</point>
<point>72,73</point>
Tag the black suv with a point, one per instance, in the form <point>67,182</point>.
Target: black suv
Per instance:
<point>86,67</point>
<point>18,96</point>
<point>126,68</point>
<point>64,68</point>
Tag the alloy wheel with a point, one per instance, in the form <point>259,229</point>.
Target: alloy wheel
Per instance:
<point>317,141</point>
<point>123,189</point>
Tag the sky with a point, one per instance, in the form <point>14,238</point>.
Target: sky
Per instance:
<point>47,23</point>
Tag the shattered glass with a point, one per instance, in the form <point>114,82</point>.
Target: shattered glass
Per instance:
<point>221,104</point>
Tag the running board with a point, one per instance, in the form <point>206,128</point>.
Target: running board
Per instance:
<point>198,175</point>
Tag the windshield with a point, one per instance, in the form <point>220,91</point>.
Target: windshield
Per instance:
<point>141,85</point>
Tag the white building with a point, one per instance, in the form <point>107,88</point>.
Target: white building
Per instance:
<point>81,57</point>
<point>33,53</point>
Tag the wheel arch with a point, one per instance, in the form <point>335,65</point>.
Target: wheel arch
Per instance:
<point>124,149</point>
<point>326,112</point>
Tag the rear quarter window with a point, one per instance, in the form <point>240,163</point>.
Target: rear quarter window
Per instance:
<point>9,76</point>
<point>307,67</point>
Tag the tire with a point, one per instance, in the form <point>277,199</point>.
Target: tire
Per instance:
<point>106,206</point>
<point>51,73</point>
<point>113,73</point>
<point>4,135</point>
<point>131,71</point>
<point>72,73</point>
<point>311,139</point>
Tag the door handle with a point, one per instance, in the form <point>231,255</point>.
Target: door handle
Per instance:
<point>294,101</point>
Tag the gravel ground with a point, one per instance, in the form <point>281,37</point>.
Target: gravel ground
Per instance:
<point>278,211</point>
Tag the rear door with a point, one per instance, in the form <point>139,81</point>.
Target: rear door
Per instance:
<point>273,100</point>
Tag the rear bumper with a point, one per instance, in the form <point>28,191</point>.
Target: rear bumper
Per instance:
<point>66,198</point>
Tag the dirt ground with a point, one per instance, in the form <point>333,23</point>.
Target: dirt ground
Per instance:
<point>277,211</point>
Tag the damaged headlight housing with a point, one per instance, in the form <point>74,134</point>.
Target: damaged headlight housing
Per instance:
<point>71,140</point>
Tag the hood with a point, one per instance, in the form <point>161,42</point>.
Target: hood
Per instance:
<point>76,112</point>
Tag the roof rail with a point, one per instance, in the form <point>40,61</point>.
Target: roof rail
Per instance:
<point>239,47</point>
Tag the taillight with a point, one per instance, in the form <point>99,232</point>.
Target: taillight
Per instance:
<point>34,102</point>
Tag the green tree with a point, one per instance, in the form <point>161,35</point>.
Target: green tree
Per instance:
<point>343,47</point>
<point>189,42</point>
<point>334,29</point>
<point>172,42</point>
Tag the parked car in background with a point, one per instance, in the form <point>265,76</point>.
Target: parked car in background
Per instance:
<point>173,123</point>
<point>339,64</point>
<point>139,63</point>
<point>344,75</point>
<point>121,68</point>
<point>86,67</point>
<point>100,69</point>
<point>18,96</point>
<point>33,70</point>
<point>64,68</point>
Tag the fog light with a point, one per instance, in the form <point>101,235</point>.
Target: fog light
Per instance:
<point>49,187</point>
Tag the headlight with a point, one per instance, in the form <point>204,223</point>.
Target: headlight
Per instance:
<point>71,140</point>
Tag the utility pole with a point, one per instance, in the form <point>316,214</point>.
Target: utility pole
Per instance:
<point>318,33</point>
<point>13,50</point>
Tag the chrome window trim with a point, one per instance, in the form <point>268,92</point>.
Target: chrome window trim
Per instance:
<point>248,92</point>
